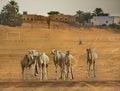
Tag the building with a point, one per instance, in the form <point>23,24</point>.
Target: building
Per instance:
<point>63,18</point>
<point>117,20</point>
<point>57,18</point>
<point>33,18</point>
<point>102,20</point>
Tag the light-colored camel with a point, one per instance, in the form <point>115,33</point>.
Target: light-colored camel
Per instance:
<point>58,62</point>
<point>68,65</point>
<point>64,61</point>
<point>91,57</point>
<point>42,62</point>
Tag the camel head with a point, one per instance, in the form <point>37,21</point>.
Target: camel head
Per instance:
<point>53,51</point>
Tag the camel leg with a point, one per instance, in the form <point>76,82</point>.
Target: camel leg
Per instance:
<point>33,70</point>
<point>36,70</point>
<point>56,72</point>
<point>61,72</point>
<point>41,73</point>
<point>64,72</point>
<point>45,72</point>
<point>94,69</point>
<point>69,68</point>
<point>87,70</point>
<point>67,72</point>
<point>71,73</point>
<point>23,73</point>
<point>91,69</point>
<point>28,73</point>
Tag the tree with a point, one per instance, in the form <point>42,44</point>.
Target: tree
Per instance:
<point>99,12</point>
<point>87,16</point>
<point>10,14</point>
<point>105,14</point>
<point>83,17</point>
<point>51,13</point>
<point>79,17</point>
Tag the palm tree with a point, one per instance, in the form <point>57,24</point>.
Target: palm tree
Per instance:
<point>79,17</point>
<point>13,7</point>
<point>10,14</point>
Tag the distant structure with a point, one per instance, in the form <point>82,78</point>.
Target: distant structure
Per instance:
<point>105,20</point>
<point>64,18</point>
<point>71,19</point>
<point>102,20</point>
<point>28,18</point>
<point>117,20</point>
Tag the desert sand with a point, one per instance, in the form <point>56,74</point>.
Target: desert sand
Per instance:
<point>15,42</point>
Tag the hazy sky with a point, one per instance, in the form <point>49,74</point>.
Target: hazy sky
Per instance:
<point>66,6</point>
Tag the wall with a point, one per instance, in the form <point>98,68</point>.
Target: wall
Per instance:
<point>57,18</point>
<point>33,18</point>
<point>117,20</point>
<point>102,20</point>
<point>63,18</point>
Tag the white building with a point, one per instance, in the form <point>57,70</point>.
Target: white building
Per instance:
<point>102,20</point>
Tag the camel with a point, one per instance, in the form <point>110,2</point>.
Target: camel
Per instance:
<point>64,61</point>
<point>26,62</point>
<point>42,62</point>
<point>58,62</point>
<point>68,63</point>
<point>91,58</point>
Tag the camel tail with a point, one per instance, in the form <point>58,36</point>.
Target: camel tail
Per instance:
<point>74,59</point>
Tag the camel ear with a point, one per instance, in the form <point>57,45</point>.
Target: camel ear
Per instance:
<point>39,54</point>
<point>67,52</point>
<point>87,49</point>
<point>52,52</point>
<point>26,55</point>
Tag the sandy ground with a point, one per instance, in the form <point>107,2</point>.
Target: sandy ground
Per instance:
<point>14,43</point>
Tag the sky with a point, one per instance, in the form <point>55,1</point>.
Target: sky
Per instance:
<point>68,7</point>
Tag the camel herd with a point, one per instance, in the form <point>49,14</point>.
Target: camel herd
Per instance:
<point>39,62</point>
